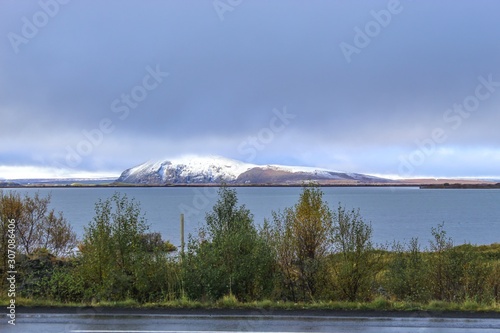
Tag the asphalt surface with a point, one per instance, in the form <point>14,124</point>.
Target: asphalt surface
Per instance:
<point>108,320</point>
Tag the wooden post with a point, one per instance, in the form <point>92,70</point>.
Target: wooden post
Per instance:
<point>182,234</point>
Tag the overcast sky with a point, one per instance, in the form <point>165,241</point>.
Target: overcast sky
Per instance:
<point>406,89</point>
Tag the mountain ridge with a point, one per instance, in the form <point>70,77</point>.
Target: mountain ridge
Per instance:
<point>217,169</point>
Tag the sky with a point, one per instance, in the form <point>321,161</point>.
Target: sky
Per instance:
<point>402,89</point>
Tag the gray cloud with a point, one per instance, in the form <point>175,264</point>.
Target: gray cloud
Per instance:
<point>226,77</point>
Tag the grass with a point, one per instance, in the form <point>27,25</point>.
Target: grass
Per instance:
<point>230,302</point>
<point>39,302</point>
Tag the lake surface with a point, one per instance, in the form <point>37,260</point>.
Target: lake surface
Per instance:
<point>471,215</point>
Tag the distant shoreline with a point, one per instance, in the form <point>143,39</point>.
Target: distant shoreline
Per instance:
<point>422,185</point>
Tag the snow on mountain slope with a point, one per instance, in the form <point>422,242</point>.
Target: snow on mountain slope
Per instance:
<point>188,169</point>
<point>302,169</point>
<point>215,166</point>
<point>215,169</point>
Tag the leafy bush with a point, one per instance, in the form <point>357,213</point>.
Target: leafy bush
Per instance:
<point>300,240</point>
<point>407,273</point>
<point>119,259</point>
<point>355,263</point>
<point>229,256</point>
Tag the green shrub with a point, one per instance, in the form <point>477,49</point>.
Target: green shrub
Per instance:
<point>407,274</point>
<point>355,263</point>
<point>229,257</point>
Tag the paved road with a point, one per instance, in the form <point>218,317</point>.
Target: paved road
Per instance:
<point>91,321</point>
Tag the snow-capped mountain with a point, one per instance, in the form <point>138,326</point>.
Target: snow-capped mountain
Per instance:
<point>216,169</point>
<point>190,169</point>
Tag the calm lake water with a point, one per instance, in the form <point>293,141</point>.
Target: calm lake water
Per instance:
<point>395,213</point>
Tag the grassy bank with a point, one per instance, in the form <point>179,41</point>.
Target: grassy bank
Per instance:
<point>230,302</point>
